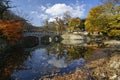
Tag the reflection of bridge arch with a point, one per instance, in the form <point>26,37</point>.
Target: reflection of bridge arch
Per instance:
<point>40,34</point>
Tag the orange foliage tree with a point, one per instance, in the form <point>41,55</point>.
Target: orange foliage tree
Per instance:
<point>11,30</point>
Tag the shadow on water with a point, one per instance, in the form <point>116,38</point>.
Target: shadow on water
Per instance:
<point>12,60</point>
<point>29,41</point>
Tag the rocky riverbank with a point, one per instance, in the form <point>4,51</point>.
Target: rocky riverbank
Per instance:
<point>104,64</point>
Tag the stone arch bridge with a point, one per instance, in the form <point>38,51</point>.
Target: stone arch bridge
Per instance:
<point>40,34</point>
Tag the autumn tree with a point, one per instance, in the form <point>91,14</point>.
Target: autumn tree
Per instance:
<point>110,2</point>
<point>83,24</point>
<point>46,24</point>
<point>59,23</point>
<point>66,17</point>
<point>4,6</point>
<point>94,21</point>
<point>11,30</point>
<point>105,18</point>
<point>52,26</point>
<point>114,29</point>
<point>11,25</point>
<point>74,24</point>
<point>114,18</point>
<point>6,14</point>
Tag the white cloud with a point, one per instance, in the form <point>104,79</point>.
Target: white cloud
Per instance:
<point>58,63</point>
<point>58,9</point>
<point>78,11</point>
<point>42,8</point>
<point>51,19</point>
<point>34,12</point>
<point>42,16</point>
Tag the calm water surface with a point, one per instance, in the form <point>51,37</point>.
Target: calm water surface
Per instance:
<point>44,60</point>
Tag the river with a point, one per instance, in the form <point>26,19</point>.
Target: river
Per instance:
<point>45,60</point>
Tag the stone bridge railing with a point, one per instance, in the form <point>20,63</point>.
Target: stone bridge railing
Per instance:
<point>39,34</point>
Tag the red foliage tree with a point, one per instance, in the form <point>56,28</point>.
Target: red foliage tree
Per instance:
<point>11,30</point>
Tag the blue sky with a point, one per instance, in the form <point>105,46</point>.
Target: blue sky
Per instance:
<point>40,10</point>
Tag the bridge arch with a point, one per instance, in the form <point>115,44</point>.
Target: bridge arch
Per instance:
<point>46,39</point>
<point>41,35</point>
<point>30,41</point>
<point>57,38</point>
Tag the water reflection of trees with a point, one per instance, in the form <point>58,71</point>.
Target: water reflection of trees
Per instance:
<point>69,52</point>
<point>13,61</point>
<point>57,49</point>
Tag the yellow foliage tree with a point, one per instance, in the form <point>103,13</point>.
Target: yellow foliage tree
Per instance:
<point>93,20</point>
<point>74,23</point>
